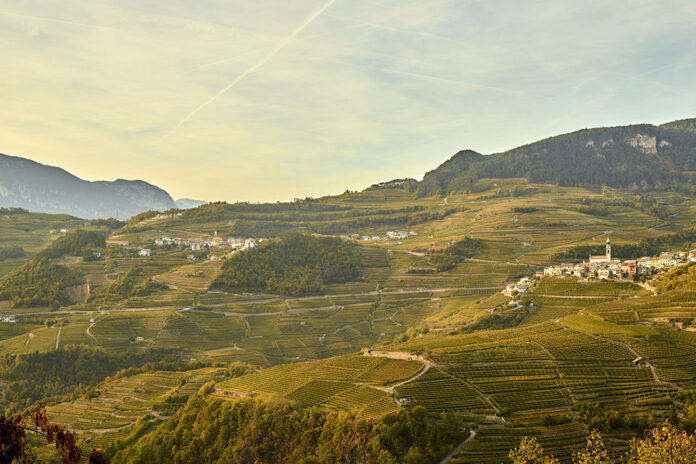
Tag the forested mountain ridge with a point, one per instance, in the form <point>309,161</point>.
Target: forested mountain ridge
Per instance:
<point>39,188</point>
<point>636,157</point>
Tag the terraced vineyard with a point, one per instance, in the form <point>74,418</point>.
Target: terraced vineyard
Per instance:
<point>353,383</point>
<point>506,368</point>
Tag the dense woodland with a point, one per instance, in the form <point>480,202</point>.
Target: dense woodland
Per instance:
<point>70,370</point>
<point>249,430</point>
<point>38,282</point>
<point>294,264</point>
<point>454,254</point>
<point>74,243</point>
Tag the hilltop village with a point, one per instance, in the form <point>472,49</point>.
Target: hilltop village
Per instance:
<point>606,267</point>
<point>235,243</point>
<point>196,244</point>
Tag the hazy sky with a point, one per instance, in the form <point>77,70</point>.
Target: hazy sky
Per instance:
<point>270,100</point>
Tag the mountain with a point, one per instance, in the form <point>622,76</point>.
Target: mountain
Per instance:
<point>187,203</point>
<point>27,184</point>
<point>637,157</point>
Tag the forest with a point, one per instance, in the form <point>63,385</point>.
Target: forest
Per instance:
<point>454,254</point>
<point>69,370</point>
<point>293,264</point>
<point>74,243</point>
<point>38,282</point>
<point>590,156</point>
<point>256,430</point>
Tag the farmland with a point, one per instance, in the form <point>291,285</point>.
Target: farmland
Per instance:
<point>541,365</point>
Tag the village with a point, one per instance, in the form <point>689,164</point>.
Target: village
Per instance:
<point>238,244</point>
<point>390,235</point>
<point>196,244</point>
<point>605,267</point>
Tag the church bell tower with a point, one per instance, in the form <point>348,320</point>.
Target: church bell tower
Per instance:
<point>608,249</point>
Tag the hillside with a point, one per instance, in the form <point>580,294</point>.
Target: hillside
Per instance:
<point>46,189</point>
<point>416,279</point>
<point>638,157</point>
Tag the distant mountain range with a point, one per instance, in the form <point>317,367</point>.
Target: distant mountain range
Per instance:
<point>46,189</point>
<point>638,157</point>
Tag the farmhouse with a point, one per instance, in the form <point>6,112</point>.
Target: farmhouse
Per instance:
<point>145,252</point>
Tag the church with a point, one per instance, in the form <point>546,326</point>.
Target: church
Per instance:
<point>605,258</point>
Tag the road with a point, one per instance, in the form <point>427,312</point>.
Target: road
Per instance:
<point>459,447</point>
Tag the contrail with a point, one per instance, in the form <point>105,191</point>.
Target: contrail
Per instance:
<point>259,63</point>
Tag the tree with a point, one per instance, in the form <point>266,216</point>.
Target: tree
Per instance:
<point>530,452</point>
<point>594,453</point>
<point>15,446</point>
<point>666,445</point>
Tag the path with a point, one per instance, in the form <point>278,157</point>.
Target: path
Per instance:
<point>92,323</point>
<point>459,447</point>
<point>58,336</point>
<point>421,373</point>
<point>576,297</point>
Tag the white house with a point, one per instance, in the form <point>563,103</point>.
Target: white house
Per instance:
<point>145,252</point>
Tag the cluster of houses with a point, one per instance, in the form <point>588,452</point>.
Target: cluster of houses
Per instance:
<point>54,231</point>
<point>195,244</point>
<point>8,318</point>
<point>519,288</point>
<point>390,235</point>
<point>606,267</point>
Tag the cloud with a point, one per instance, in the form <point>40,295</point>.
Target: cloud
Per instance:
<point>320,97</point>
<point>265,59</point>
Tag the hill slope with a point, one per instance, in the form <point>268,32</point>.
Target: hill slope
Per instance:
<point>636,157</point>
<point>46,189</point>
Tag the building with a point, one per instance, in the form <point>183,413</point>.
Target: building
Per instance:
<point>603,258</point>
<point>145,252</point>
<point>629,268</point>
<point>606,267</point>
<point>216,241</point>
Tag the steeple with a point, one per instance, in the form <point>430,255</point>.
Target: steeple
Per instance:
<point>608,249</point>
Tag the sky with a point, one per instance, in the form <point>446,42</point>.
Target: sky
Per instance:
<point>265,100</point>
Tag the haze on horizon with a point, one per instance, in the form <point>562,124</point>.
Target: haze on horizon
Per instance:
<point>271,100</point>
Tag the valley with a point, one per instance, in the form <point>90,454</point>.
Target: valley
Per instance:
<point>389,321</point>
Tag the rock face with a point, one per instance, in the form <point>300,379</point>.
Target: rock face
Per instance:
<point>77,294</point>
<point>646,143</point>
<point>46,189</point>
